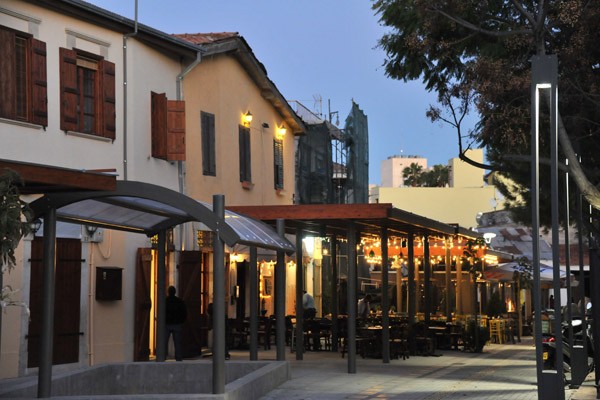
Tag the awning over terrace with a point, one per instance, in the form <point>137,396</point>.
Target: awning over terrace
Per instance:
<point>356,223</point>
<point>505,272</point>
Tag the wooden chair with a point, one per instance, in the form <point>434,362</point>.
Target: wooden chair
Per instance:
<point>264,332</point>
<point>399,342</point>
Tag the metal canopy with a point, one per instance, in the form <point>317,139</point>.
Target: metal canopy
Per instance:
<point>147,208</point>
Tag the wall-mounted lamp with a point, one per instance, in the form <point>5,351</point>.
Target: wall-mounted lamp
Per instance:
<point>34,226</point>
<point>247,118</point>
<point>281,132</point>
<point>91,229</point>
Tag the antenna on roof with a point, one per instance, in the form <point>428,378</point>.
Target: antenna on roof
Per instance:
<point>318,104</point>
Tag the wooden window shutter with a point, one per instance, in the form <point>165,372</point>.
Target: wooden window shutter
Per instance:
<point>208,144</point>
<point>278,163</point>
<point>39,85</point>
<point>245,161</point>
<point>107,102</point>
<point>7,74</point>
<point>159,125</point>
<point>175,130</point>
<point>68,90</point>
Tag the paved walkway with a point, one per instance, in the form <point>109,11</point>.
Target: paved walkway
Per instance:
<point>501,372</point>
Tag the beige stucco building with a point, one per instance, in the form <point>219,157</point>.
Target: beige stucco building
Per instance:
<point>118,96</point>
<point>392,169</point>
<point>467,195</point>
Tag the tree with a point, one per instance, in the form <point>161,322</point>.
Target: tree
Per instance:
<point>478,53</point>
<point>412,174</point>
<point>15,215</point>
<point>436,177</point>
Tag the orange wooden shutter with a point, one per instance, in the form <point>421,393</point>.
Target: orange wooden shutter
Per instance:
<point>108,99</point>
<point>39,91</point>
<point>175,130</point>
<point>68,90</point>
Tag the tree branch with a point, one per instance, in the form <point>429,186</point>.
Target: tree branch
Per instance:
<point>523,11</point>
<point>475,28</point>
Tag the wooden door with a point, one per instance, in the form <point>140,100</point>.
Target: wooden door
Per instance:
<point>193,290</point>
<point>67,291</point>
<point>143,305</point>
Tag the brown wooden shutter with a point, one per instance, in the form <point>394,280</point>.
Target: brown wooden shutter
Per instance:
<point>8,73</point>
<point>175,130</point>
<point>68,90</point>
<point>108,99</point>
<point>39,90</point>
<point>208,144</point>
<point>159,125</point>
<point>278,163</point>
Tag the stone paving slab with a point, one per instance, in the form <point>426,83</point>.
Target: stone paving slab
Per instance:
<point>501,372</point>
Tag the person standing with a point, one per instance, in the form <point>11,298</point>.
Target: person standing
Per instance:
<point>308,304</point>
<point>175,317</point>
<point>364,307</point>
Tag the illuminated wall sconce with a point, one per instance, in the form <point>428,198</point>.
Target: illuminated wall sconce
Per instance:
<point>35,226</point>
<point>281,132</point>
<point>247,118</point>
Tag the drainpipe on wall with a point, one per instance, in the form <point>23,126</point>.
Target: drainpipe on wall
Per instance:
<point>125,37</point>
<point>181,164</point>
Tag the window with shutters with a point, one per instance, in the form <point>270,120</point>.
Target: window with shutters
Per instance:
<point>209,166</point>
<point>168,127</point>
<point>245,170</point>
<point>278,163</point>
<point>87,93</point>
<point>23,83</point>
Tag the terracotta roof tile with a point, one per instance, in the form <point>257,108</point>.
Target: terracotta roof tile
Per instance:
<point>203,38</point>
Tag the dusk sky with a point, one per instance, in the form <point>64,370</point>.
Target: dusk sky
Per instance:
<point>320,48</point>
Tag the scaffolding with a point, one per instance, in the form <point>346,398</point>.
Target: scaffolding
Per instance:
<point>323,156</point>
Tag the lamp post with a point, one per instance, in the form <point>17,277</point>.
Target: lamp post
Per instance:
<point>544,76</point>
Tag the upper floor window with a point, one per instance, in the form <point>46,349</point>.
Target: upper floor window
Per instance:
<point>209,166</point>
<point>278,163</point>
<point>245,164</point>
<point>23,83</point>
<point>87,93</point>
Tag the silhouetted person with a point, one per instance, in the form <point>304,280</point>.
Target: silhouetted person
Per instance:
<point>364,307</point>
<point>308,304</point>
<point>176,316</point>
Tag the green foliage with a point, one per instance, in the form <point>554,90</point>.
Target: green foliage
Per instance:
<point>478,53</point>
<point>14,217</point>
<point>413,174</point>
<point>523,275</point>
<point>470,256</point>
<point>475,342</point>
<point>495,306</point>
<point>436,177</point>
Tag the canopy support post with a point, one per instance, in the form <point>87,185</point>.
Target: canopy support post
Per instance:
<point>334,295</point>
<point>351,346</point>
<point>299,304</point>
<point>161,312</point>
<point>47,326</point>
<point>280,296</point>
<point>253,304</point>
<point>385,301</point>
<point>219,300</point>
